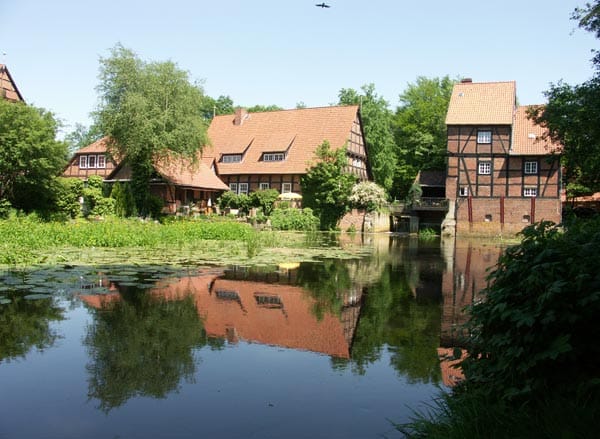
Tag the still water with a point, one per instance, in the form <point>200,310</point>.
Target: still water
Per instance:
<point>326,349</point>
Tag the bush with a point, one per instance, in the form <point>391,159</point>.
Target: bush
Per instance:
<point>228,199</point>
<point>67,193</point>
<point>294,219</point>
<point>264,199</point>
<point>537,333</point>
<point>367,195</point>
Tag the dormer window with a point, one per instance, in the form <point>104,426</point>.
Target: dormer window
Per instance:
<point>231,158</point>
<point>273,157</point>
<point>92,161</point>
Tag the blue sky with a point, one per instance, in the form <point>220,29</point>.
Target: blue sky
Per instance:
<point>283,52</point>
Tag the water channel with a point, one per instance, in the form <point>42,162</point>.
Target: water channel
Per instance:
<point>327,349</point>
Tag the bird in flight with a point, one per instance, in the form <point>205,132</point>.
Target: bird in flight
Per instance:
<point>322,5</point>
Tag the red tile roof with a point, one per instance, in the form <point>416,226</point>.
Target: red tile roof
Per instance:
<point>99,146</point>
<point>529,138</point>
<point>482,103</point>
<point>296,132</point>
<point>8,88</point>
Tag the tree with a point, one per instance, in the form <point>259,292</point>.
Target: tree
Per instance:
<point>82,136</point>
<point>420,129</point>
<point>326,186</point>
<point>572,116</point>
<point>368,195</point>
<point>264,108</point>
<point>377,126</point>
<point>30,155</point>
<point>151,112</point>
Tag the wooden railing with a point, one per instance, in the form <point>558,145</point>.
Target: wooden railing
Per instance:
<point>430,204</point>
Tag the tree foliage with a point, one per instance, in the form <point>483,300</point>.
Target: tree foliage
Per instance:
<point>536,332</point>
<point>326,186</point>
<point>377,127</point>
<point>420,129</point>
<point>30,156</point>
<point>150,111</point>
<point>572,115</point>
<point>368,195</point>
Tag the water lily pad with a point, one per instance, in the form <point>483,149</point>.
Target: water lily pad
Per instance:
<point>37,296</point>
<point>4,301</point>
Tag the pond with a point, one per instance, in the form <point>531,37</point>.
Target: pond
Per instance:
<point>331,348</point>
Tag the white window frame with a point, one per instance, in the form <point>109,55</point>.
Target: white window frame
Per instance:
<point>531,167</point>
<point>243,188</point>
<point>286,188</point>
<point>264,186</point>
<point>231,158</point>
<point>484,168</point>
<point>83,161</point>
<point>530,192</point>
<point>273,157</point>
<point>101,161</point>
<point>92,161</point>
<point>463,191</point>
<point>233,187</point>
<point>484,136</point>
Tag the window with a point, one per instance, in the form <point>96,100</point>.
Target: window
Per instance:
<point>91,161</point>
<point>463,191</point>
<point>286,188</point>
<point>531,167</point>
<point>484,136</point>
<point>243,188</point>
<point>273,156</point>
<point>101,161</point>
<point>268,300</point>
<point>485,168</point>
<point>83,161</point>
<point>263,186</point>
<point>530,192</point>
<point>231,158</point>
<point>233,187</point>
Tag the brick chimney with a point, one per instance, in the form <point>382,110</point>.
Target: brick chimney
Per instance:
<point>241,114</point>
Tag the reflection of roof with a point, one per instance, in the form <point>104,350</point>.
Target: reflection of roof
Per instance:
<point>8,88</point>
<point>297,133</point>
<point>528,138</point>
<point>482,103</point>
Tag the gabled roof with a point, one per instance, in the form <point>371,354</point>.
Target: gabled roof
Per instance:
<point>296,132</point>
<point>8,88</point>
<point>530,138</point>
<point>482,103</point>
<point>180,172</point>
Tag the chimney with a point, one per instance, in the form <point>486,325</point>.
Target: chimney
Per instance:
<point>466,80</point>
<point>241,114</point>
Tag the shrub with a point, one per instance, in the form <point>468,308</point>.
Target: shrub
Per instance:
<point>228,199</point>
<point>367,195</point>
<point>67,193</point>
<point>294,219</point>
<point>264,199</point>
<point>537,333</point>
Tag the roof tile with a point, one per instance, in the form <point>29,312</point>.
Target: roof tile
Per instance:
<point>481,103</point>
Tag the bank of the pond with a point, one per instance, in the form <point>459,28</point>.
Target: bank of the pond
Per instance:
<point>27,241</point>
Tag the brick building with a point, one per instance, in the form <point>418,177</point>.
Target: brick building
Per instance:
<point>502,173</point>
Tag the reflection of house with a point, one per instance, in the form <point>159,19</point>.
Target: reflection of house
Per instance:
<point>267,313</point>
<point>176,181</point>
<point>8,88</point>
<point>272,150</point>
<point>502,175</point>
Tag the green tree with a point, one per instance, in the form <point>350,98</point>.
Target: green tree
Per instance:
<point>368,196</point>
<point>377,126</point>
<point>265,199</point>
<point>30,156</point>
<point>263,108</point>
<point>151,112</point>
<point>326,186</point>
<point>420,130</point>
<point>572,115</point>
<point>82,136</point>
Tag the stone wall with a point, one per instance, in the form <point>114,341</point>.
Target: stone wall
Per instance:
<point>376,221</point>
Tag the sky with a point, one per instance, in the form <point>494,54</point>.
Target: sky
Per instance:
<point>284,52</point>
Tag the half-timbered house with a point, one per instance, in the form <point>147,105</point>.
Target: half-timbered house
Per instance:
<point>8,88</point>
<point>502,172</point>
<point>272,150</point>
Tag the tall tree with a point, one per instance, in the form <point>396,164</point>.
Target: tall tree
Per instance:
<point>30,155</point>
<point>151,111</point>
<point>326,186</point>
<point>82,136</point>
<point>377,126</point>
<point>572,116</point>
<point>420,129</point>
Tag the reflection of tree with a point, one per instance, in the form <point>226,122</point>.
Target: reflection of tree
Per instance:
<point>410,329</point>
<point>142,346</point>
<point>327,283</point>
<point>25,324</point>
